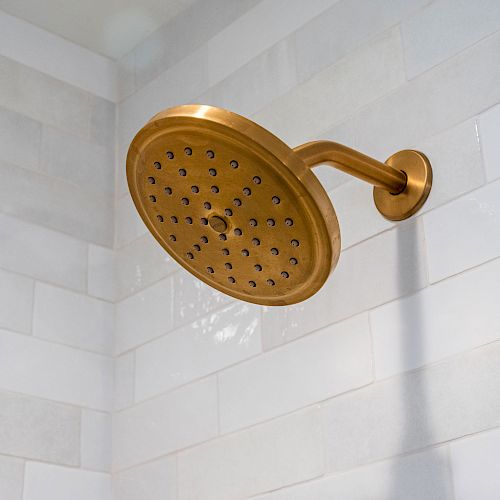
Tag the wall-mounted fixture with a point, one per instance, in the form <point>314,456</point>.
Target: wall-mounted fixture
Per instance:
<point>243,212</point>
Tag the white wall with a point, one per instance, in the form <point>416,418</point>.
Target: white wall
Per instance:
<point>56,235</point>
<point>384,385</point>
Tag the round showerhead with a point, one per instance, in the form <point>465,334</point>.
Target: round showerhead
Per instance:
<point>233,204</point>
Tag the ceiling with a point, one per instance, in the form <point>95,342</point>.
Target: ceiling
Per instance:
<point>109,27</point>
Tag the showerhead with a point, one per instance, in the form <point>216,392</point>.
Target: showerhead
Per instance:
<point>237,207</point>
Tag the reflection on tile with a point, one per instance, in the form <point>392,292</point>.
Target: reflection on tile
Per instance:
<point>167,423</point>
<point>317,367</point>
<point>213,342</point>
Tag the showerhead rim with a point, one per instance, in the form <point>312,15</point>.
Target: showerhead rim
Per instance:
<point>275,153</point>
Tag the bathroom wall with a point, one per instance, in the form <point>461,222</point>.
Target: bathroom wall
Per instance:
<point>56,289</point>
<point>384,385</point>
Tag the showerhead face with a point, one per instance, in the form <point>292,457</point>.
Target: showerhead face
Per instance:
<point>233,205</point>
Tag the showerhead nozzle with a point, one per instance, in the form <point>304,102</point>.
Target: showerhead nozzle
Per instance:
<point>234,205</point>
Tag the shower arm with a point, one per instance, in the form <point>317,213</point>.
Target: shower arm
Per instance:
<point>354,163</point>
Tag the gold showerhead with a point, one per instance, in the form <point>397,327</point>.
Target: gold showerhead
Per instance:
<point>242,211</point>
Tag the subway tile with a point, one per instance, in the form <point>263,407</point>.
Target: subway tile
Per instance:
<point>263,458</point>
<point>475,466</point>
<point>489,130</point>
<point>334,360</point>
<point>437,100</point>
<point>101,273</point>
<point>42,253</point>
<point>304,111</point>
<point>44,98</point>
<point>263,79</point>
<point>87,165</point>
<point>193,298</point>
<point>144,316</point>
<point>11,478</point>
<point>123,390</point>
<point>165,424</point>
<point>103,122</point>
<point>184,34</point>
<point>152,481</point>
<point>73,319</point>
<point>141,263</point>
<point>43,481</point>
<point>376,271</point>
<point>16,297</point>
<point>452,316</point>
<point>128,223</point>
<point>444,28</point>
<point>47,431</point>
<point>125,68</point>
<point>220,339</point>
<point>56,204</point>
<point>237,44</point>
<point>19,139</point>
<point>53,371</point>
<point>344,27</point>
<point>96,441</point>
<point>454,398</point>
<point>422,476</point>
<point>463,233</point>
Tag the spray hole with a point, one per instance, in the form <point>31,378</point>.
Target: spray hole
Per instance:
<point>228,212</point>
<point>152,198</point>
<point>284,274</point>
<point>237,202</point>
<point>228,265</point>
<point>257,180</point>
<point>172,237</point>
<point>210,154</point>
<point>270,282</point>
<point>212,172</point>
<point>170,155</point>
<point>225,251</point>
<point>234,164</point>
<point>276,200</point>
<point>275,251</point>
<point>252,284</point>
<point>160,218</point>
<point>231,279</point>
<point>195,189</point>
<point>182,172</point>
<point>293,261</point>
<point>238,231</point>
<point>270,222</point>
<point>252,222</point>
<point>295,243</point>
<point>151,180</point>
<point>188,151</point>
<point>257,267</point>
<point>173,219</point>
<point>190,256</point>
<point>222,237</point>
<point>197,247</point>
<point>157,165</point>
<point>245,252</point>
<point>204,239</point>
<point>185,201</point>
<point>188,220</point>
<point>207,205</point>
<point>247,191</point>
<point>168,190</point>
<point>204,221</point>
<point>210,270</point>
<point>214,189</point>
<point>256,242</point>
<point>289,222</point>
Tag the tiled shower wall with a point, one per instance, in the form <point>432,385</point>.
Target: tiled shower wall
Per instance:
<point>386,384</point>
<point>56,301</point>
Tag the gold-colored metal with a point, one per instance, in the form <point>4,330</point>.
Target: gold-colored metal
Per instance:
<point>241,210</point>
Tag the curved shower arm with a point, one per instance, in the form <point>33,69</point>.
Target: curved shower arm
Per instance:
<point>354,163</point>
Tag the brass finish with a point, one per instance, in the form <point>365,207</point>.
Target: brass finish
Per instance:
<point>241,210</point>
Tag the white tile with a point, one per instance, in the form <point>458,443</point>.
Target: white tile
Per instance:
<point>123,389</point>
<point>440,98</point>
<point>453,316</point>
<point>96,441</point>
<point>263,79</point>
<point>144,316</point>
<point>489,128</point>
<point>43,481</point>
<point>128,224</point>
<point>422,476</point>
<point>263,458</point>
<point>53,371</point>
<point>369,274</point>
<point>341,29</point>
<point>475,466</point>
<point>56,204</point>
<point>42,253</point>
<point>192,298</point>
<point>317,367</point>
<point>454,398</point>
<point>101,273</point>
<point>463,233</point>
<point>103,123</point>
<point>162,425</point>
<point>56,56</point>
<point>19,139</point>
<point>153,481</point>
<point>444,28</point>
<point>211,343</point>
<point>73,319</point>
<point>237,44</point>
<point>11,478</point>
<point>141,263</point>
<point>88,165</point>
<point>16,298</point>
<point>304,112</point>
<point>125,69</point>
<point>44,98</point>
<point>39,429</point>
